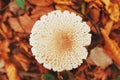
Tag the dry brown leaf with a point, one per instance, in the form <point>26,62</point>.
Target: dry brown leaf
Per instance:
<point>94,12</point>
<point>39,11</point>
<point>65,2</point>
<point>4,49</point>
<point>15,24</point>
<point>115,12</point>
<point>107,3</point>
<point>3,34</point>
<point>109,26</point>
<point>9,67</point>
<point>26,22</point>
<point>14,7</point>
<point>22,60</point>
<point>11,71</point>
<point>42,69</point>
<point>64,7</point>
<point>6,30</point>
<point>116,26</point>
<point>111,47</point>
<point>92,27</point>
<point>41,2</point>
<point>3,77</point>
<point>112,9</point>
<point>26,47</point>
<point>6,15</point>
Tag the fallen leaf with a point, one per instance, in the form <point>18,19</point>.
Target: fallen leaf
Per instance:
<point>41,2</point>
<point>115,14</point>
<point>111,47</point>
<point>65,2</point>
<point>11,71</point>
<point>39,11</point>
<point>6,29</point>
<point>65,7</point>
<point>15,24</point>
<point>108,26</point>
<point>24,61</point>
<point>94,12</point>
<point>112,9</point>
<point>26,22</point>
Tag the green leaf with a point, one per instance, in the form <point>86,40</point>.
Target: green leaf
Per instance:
<point>20,3</point>
<point>118,78</point>
<point>49,77</point>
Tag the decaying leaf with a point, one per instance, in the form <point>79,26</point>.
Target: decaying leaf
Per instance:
<point>42,69</point>
<point>109,26</point>
<point>115,12</point>
<point>65,2</point>
<point>16,59</point>
<point>26,22</point>
<point>39,11</point>
<point>11,71</point>
<point>107,3</point>
<point>65,7</point>
<point>6,29</point>
<point>41,2</point>
<point>15,24</point>
<point>9,67</point>
<point>24,61</point>
<point>113,9</point>
<point>94,12</point>
<point>15,9</point>
<point>111,47</point>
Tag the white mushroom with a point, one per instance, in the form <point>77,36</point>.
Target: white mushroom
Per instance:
<point>58,40</point>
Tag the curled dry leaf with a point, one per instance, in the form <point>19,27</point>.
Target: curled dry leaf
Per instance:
<point>6,29</point>
<point>109,26</point>
<point>13,7</point>
<point>39,11</point>
<point>65,7</point>
<point>65,2</point>
<point>94,12</point>
<point>9,67</point>
<point>42,69</point>
<point>26,22</point>
<point>41,2</point>
<point>116,26</point>
<point>115,12</point>
<point>15,24</point>
<point>11,71</point>
<point>111,48</point>
<point>4,49</point>
<point>92,27</point>
<point>24,61</point>
<point>112,9</point>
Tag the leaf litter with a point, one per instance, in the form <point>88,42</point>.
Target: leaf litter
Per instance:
<point>16,22</point>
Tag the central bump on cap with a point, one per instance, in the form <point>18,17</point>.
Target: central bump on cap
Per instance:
<point>64,41</point>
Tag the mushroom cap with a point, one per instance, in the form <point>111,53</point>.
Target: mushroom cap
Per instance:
<point>58,40</point>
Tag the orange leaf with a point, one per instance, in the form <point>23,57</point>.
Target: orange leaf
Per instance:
<point>41,2</point>
<point>64,7</point>
<point>65,2</point>
<point>108,26</point>
<point>11,71</point>
<point>111,47</point>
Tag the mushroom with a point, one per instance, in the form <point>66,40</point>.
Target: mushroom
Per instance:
<point>58,40</point>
